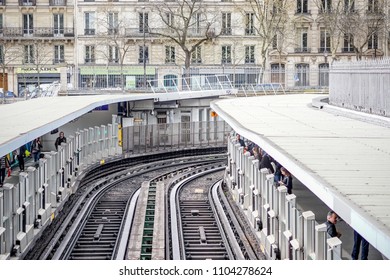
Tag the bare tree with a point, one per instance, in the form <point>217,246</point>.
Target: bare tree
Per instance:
<point>39,55</point>
<point>330,14</point>
<point>266,19</point>
<point>363,25</point>
<point>8,54</point>
<point>186,23</point>
<point>114,45</point>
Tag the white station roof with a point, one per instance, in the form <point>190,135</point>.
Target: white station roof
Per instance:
<point>24,121</point>
<point>341,156</point>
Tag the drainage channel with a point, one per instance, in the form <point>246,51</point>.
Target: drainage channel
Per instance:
<point>147,238</point>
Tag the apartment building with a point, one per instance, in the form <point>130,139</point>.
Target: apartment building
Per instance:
<point>122,43</point>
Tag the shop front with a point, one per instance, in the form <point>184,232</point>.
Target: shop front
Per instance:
<point>29,77</point>
<point>131,77</point>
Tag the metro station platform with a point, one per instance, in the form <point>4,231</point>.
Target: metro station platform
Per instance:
<point>341,156</point>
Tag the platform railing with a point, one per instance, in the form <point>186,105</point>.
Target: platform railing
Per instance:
<point>33,202</point>
<point>158,137</point>
<point>284,231</point>
<point>193,83</point>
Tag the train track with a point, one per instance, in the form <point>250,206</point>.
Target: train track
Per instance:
<point>94,233</point>
<point>199,228</point>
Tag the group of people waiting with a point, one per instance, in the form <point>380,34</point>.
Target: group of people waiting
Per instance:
<point>282,177</point>
<point>23,152</point>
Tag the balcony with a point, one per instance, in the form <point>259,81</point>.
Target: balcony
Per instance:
<point>58,60</point>
<point>226,31</point>
<point>302,12</point>
<point>113,60</point>
<point>323,50</point>
<point>27,3</point>
<point>347,50</point>
<point>112,31</point>
<point>250,31</point>
<point>302,50</point>
<point>57,3</point>
<point>47,32</point>
<point>141,60</point>
<point>89,60</point>
<point>89,31</point>
<point>2,2</point>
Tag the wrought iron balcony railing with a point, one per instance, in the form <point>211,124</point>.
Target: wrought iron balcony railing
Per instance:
<point>323,50</point>
<point>302,50</point>
<point>154,32</point>
<point>37,32</point>
<point>89,31</point>
<point>89,60</point>
<point>27,2</point>
<point>347,50</point>
<point>57,2</point>
<point>58,60</point>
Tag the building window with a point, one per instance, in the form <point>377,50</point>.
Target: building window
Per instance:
<point>143,22</point>
<point>196,56</point>
<point>59,54</point>
<point>324,41</point>
<point>29,54</point>
<point>302,7</point>
<point>302,41</point>
<point>275,42</point>
<point>1,23</point>
<point>249,24</point>
<point>226,55</point>
<point>2,54</point>
<point>113,54</point>
<point>89,19</point>
<point>373,40</point>
<point>170,19</point>
<point>326,6</point>
<point>28,24</point>
<point>249,54</point>
<point>278,73</point>
<point>170,81</point>
<point>373,6</point>
<point>89,54</point>
<point>348,43</point>
<point>195,25</point>
<point>226,24</point>
<point>349,6</point>
<point>170,56</point>
<point>301,76</point>
<point>112,27</point>
<point>58,22</point>
<point>143,54</point>
<point>323,75</point>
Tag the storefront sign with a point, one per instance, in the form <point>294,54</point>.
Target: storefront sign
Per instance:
<point>34,70</point>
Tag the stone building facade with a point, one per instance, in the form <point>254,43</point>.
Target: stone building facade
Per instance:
<point>118,43</point>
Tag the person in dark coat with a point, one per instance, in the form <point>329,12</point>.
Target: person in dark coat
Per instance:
<point>331,224</point>
<point>20,157</point>
<point>265,162</point>
<point>240,141</point>
<point>60,139</point>
<point>36,148</point>
<point>287,180</point>
<point>4,164</point>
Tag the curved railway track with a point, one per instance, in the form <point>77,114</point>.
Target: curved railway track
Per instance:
<point>200,229</point>
<point>100,177</point>
<point>98,223</point>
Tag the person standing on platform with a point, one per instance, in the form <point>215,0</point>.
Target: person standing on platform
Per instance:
<point>358,239</point>
<point>20,154</point>
<point>60,139</point>
<point>4,164</point>
<point>331,224</point>
<point>36,148</point>
<point>287,180</point>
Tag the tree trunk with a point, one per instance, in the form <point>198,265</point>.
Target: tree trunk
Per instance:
<point>187,64</point>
